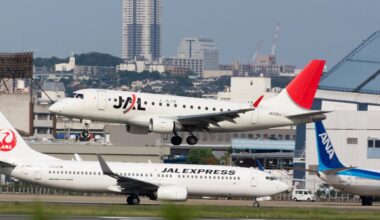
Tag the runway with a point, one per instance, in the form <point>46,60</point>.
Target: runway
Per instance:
<point>88,200</point>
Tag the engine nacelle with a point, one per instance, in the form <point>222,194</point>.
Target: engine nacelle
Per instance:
<point>172,193</point>
<point>133,129</point>
<point>162,125</point>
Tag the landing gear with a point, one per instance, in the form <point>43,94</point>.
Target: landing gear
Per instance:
<point>133,200</point>
<point>176,140</point>
<point>191,140</point>
<point>256,204</point>
<point>366,200</point>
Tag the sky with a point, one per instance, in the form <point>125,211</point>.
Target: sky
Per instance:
<point>309,29</point>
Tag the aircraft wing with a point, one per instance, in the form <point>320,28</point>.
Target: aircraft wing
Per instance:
<point>127,184</point>
<point>203,120</point>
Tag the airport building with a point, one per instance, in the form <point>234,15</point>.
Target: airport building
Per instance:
<point>141,31</point>
<point>351,90</point>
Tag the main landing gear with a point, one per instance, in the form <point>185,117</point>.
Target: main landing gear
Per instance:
<point>190,140</point>
<point>133,200</point>
<point>255,204</point>
<point>366,200</point>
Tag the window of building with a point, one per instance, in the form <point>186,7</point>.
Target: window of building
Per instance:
<point>352,140</point>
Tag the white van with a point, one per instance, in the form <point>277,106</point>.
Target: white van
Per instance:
<point>303,195</point>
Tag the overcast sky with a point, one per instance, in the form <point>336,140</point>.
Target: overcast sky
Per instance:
<point>327,29</point>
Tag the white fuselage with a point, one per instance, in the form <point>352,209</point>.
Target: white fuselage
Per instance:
<point>353,184</point>
<point>113,106</point>
<point>201,180</point>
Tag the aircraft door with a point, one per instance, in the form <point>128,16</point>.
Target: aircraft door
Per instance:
<point>102,99</point>
<point>37,173</point>
<point>255,116</point>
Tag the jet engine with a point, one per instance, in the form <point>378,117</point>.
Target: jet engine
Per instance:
<point>133,129</point>
<point>172,193</point>
<point>163,125</point>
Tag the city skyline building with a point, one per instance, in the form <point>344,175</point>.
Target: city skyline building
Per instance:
<point>201,48</point>
<point>141,29</point>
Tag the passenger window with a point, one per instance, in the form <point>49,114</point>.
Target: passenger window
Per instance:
<point>191,106</point>
<point>168,105</point>
<point>79,96</point>
<point>175,105</point>
<point>206,108</point>
<point>214,109</point>
<point>184,106</point>
<point>199,107</point>
<point>160,104</point>
<point>152,103</point>
<point>221,109</point>
<point>145,102</point>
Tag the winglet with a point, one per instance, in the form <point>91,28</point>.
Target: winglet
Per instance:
<point>105,168</point>
<point>257,102</point>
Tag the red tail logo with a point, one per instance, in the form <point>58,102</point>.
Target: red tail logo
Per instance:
<point>8,140</point>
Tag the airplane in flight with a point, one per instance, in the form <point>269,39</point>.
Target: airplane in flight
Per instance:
<point>170,182</point>
<point>363,182</point>
<point>144,112</point>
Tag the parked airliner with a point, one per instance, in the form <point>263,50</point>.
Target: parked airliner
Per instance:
<point>172,182</point>
<point>365,183</point>
<point>143,113</point>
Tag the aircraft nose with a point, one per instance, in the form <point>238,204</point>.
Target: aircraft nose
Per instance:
<point>56,107</point>
<point>282,187</point>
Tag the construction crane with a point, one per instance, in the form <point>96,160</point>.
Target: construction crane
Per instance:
<point>257,51</point>
<point>275,38</point>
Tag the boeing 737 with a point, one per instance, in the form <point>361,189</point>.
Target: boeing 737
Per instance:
<point>172,182</point>
<point>365,183</point>
<point>143,113</point>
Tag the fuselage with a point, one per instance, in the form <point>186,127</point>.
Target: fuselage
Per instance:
<point>356,181</point>
<point>201,180</point>
<point>137,109</point>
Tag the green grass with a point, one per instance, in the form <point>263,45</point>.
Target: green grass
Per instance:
<point>181,212</point>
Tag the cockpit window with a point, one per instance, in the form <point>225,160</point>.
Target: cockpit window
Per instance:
<point>270,178</point>
<point>77,96</point>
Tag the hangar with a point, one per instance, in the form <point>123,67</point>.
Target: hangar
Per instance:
<point>351,90</point>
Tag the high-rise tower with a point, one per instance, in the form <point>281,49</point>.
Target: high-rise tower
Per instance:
<point>141,29</point>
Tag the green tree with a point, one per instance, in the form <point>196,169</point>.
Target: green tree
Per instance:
<point>202,156</point>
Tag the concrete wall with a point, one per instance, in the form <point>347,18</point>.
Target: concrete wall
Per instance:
<point>16,108</point>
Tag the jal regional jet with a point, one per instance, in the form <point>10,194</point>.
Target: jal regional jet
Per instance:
<point>143,113</point>
<point>171,182</point>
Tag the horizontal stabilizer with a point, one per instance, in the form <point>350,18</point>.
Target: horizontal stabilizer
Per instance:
<point>334,171</point>
<point>315,115</point>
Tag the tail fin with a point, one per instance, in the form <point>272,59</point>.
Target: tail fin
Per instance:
<point>327,159</point>
<point>13,148</point>
<point>302,89</point>
<point>298,96</point>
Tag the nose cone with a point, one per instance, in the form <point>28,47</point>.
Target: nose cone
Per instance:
<point>282,187</point>
<point>56,108</point>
